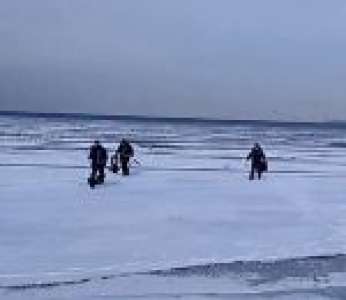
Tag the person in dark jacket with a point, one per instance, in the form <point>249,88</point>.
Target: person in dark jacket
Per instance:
<point>98,156</point>
<point>124,153</point>
<point>258,161</point>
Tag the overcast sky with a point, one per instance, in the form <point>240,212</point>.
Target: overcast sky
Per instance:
<point>245,59</point>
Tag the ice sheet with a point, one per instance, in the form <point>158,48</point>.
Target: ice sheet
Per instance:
<point>189,203</point>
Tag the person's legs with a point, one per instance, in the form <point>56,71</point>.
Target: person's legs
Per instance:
<point>125,166</point>
<point>93,171</point>
<point>259,174</point>
<point>256,169</point>
<point>261,167</point>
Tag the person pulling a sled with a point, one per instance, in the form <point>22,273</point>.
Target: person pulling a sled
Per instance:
<point>124,153</point>
<point>258,161</point>
<point>98,156</point>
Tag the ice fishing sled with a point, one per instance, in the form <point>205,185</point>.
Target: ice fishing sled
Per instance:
<point>264,166</point>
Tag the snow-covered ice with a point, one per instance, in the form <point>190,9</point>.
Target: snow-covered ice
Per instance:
<point>187,224</point>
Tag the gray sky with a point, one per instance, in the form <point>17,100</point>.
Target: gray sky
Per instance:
<point>268,59</point>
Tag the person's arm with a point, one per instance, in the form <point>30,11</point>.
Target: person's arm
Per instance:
<point>249,155</point>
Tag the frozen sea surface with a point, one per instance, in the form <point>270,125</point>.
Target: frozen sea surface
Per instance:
<point>186,225</point>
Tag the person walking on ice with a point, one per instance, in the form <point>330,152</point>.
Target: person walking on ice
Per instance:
<point>259,162</point>
<point>124,153</point>
<point>98,156</point>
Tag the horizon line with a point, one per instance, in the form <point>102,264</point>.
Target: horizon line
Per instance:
<point>81,115</point>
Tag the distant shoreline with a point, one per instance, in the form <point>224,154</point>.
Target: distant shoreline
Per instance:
<point>181,120</point>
